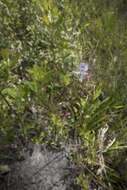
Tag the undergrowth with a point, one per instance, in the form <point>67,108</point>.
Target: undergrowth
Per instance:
<point>42,100</point>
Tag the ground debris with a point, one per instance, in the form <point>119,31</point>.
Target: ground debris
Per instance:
<point>42,169</point>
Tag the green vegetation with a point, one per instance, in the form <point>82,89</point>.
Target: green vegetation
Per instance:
<point>41,43</point>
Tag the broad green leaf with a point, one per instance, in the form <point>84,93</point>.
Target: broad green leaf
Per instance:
<point>12,92</point>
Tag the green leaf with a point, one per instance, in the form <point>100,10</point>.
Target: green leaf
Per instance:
<point>37,73</point>
<point>12,92</point>
<point>65,79</point>
<point>97,93</point>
